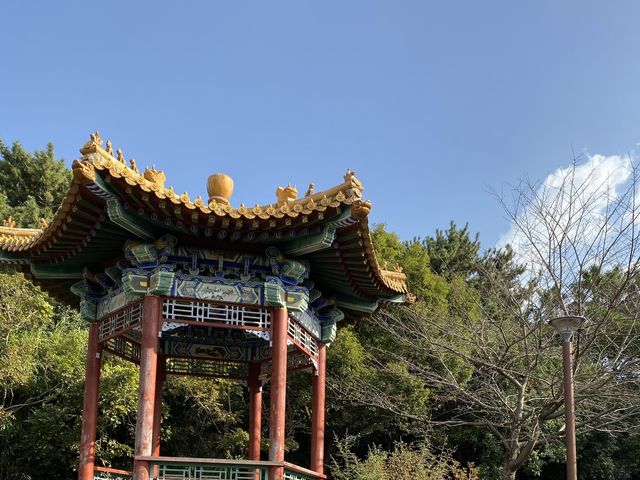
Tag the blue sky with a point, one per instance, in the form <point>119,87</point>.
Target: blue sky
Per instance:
<point>431,103</point>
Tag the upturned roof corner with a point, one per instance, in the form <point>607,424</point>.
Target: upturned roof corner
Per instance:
<point>109,201</point>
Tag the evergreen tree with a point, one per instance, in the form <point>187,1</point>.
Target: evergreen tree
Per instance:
<point>32,185</point>
<point>453,252</point>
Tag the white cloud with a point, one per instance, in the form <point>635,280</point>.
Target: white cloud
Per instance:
<point>590,186</point>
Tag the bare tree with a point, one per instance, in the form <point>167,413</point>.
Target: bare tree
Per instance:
<point>492,361</point>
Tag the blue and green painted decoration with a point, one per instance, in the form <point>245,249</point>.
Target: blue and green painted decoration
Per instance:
<point>164,268</point>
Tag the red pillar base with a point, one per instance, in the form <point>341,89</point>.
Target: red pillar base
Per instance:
<point>276,473</point>
<point>141,470</point>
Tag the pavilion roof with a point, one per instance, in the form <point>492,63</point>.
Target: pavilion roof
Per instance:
<point>110,202</point>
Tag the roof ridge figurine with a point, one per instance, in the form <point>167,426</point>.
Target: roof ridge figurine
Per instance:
<point>286,194</point>
<point>95,138</point>
<point>309,190</point>
<point>157,177</point>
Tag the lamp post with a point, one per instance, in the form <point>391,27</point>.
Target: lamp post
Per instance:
<point>567,326</point>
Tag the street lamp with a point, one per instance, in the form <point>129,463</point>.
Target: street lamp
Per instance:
<point>567,326</point>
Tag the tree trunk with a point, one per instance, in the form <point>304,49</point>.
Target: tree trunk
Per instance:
<point>510,466</point>
<point>508,474</point>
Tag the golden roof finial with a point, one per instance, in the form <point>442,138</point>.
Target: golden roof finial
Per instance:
<point>360,209</point>
<point>157,177</point>
<point>94,142</point>
<point>109,148</point>
<point>43,223</point>
<point>220,188</point>
<point>95,138</point>
<point>286,194</point>
<point>350,177</point>
<point>120,156</point>
<point>9,222</point>
<point>309,190</point>
<point>134,167</point>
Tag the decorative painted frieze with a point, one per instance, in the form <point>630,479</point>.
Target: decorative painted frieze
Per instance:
<point>176,348</point>
<point>88,310</point>
<point>161,282</point>
<point>115,300</point>
<point>329,332</point>
<point>162,267</point>
<point>217,289</point>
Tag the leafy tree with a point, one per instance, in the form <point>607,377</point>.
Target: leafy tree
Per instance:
<point>32,185</point>
<point>204,418</point>
<point>42,358</point>
<point>452,252</point>
<point>581,254</point>
<point>415,260</point>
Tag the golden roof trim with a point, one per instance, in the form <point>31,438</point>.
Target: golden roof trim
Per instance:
<point>95,157</point>
<point>151,180</point>
<point>395,280</point>
<point>17,231</point>
<point>16,237</point>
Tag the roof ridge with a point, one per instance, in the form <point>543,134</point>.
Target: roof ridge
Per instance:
<point>152,180</point>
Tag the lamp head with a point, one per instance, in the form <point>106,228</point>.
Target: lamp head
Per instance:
<point>567,325</point>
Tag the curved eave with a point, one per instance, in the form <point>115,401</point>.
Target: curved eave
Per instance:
<point>351,266</point>
<point>108,203</point>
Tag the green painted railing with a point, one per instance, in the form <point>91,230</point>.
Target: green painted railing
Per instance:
<point>104,473</point>
<point>291,475</point>
<point>165,468</point>
<point>183,468</point>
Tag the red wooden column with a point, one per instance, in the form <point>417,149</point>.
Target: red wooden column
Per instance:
<point>152,310</point>
<point>255,410</point>
<point>279,326</point>
<point>90,406</point>
<point>318,412</point>
<point>161,375</point>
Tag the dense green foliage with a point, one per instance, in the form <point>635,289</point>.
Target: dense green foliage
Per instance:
<point>383,417</point>
<point>432,365</point>
<point>401,463</point>
<point>31,185</point>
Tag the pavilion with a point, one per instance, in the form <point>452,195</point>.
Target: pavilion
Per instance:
<point>183,286</point>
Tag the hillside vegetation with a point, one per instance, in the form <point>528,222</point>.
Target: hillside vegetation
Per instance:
<point>464,384</point>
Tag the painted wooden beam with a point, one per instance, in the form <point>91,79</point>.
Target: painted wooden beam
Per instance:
<point>131,223</point>
<point>312,243</point>
<point>67,272</point>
